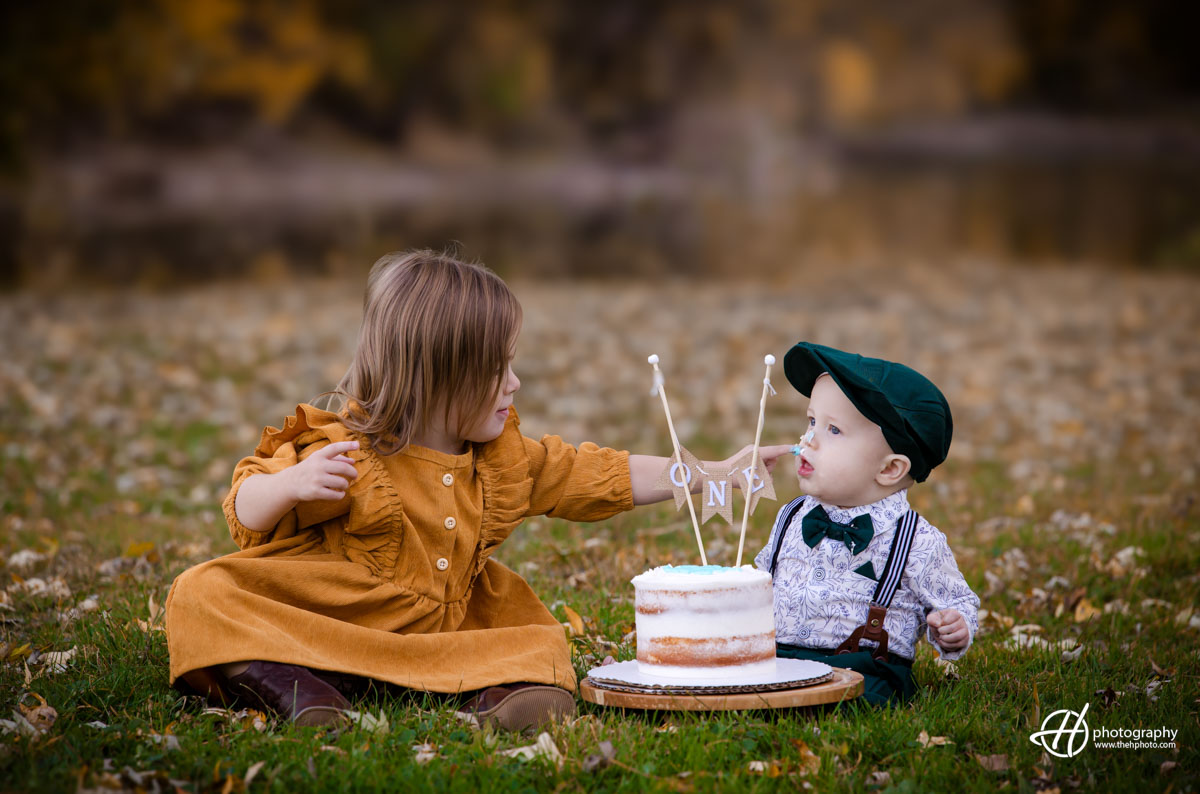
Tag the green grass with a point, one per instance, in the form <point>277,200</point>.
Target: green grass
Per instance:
<point>121,418</point>
<point>119,676</point>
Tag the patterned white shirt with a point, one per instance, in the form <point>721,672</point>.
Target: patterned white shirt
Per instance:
<point>820,600</point>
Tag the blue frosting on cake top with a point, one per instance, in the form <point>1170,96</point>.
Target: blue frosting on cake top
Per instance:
<point>699,570</point>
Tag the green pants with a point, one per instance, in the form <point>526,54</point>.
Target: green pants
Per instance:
<point>884,683</point>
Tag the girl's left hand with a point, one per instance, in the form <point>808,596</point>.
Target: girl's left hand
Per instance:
<point>949,629</point>
<point>768,455</point>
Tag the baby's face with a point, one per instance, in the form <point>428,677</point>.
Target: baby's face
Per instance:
<point>838,465</point>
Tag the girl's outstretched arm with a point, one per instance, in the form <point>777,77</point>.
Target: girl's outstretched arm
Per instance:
<point>263,499</point>
<point>644,471</point>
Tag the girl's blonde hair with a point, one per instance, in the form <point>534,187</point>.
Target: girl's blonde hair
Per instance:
<point>437,335</point>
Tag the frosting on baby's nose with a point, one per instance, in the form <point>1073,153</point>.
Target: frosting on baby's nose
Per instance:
<point>798,449</point>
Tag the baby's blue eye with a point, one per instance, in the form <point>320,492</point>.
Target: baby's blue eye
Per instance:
<point>812,421</point>
<point>833,430</point>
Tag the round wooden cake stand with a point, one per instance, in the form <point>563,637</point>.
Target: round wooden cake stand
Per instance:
<point>845,685</point>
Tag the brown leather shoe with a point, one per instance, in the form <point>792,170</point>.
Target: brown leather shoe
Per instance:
<point>515,707</point>
<point>351,686</point>
<point>290,690</point>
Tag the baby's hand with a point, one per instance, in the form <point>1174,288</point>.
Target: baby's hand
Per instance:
<point>323,475</point>
<point>949,629</point>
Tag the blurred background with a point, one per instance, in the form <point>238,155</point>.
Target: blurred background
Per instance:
<point>162,142</point>
<point>1004,194</point>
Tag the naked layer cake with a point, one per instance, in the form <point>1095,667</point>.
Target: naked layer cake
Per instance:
<point>705,621</point>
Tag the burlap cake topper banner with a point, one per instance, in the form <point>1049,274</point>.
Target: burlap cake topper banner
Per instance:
<point>716,483</point>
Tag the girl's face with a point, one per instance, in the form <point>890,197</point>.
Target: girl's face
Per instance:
<point>847,451</point>
<point>491,421</point>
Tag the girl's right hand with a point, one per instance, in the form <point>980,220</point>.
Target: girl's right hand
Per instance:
<point>323,475</point>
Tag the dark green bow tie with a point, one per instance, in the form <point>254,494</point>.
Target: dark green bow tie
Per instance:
<point>856,535</point>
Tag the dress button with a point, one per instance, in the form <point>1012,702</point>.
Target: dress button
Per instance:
<point>450,522</point>
<point>447,479</point>
<point>443,564</point>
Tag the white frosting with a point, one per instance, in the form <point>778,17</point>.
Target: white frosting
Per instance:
<point>734,623</point>
<point>690,577</point>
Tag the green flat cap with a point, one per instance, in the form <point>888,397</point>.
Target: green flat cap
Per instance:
<point>911,411</point>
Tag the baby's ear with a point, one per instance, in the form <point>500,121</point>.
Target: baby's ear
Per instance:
<point>895,468</point>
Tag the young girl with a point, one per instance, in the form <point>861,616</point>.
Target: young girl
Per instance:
<point>367,534</point>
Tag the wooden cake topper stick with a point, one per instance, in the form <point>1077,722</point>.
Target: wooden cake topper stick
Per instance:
<point>762,407</point>
<point>660,388</point>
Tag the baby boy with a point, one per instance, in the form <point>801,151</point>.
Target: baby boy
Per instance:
<point>857,573</point>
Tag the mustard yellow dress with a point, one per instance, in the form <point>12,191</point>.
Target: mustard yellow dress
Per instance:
<point>395,582</point>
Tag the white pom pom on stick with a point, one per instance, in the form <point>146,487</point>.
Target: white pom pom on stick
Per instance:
<point>661,389</point>
<point>768,360</point>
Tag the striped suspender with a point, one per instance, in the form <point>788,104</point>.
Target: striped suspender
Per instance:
<point>872,630</point>
<point>782,521</point>
<point>893,571</point>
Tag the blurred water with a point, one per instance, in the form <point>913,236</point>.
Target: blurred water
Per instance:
<point>1140,213</point>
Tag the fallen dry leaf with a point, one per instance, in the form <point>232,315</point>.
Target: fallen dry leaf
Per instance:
<point>1189,617</point>
<point>768,768</point>
<point>1084,611</point>
<point>879,779</point>
<point>26,559</point>
<point>543,747</point>
<point>574,621</point>
<point>150,781</point>
<point>932,741</point>
<point>808,762</point>
<point>1072,655</point>
<point>1151,689</point>
<point>18,652</point>
<point>601,759</point>
<point>147,627</point>
<point>1125,563</point>
<point>369,722</point>
<point>32,721</point>
<point>1168,672</point>
<point>252,772</point>
<point>993,763</point>
<point>55,588</point>
<point>245,718</point>
<point>56,661</point>
<point>168,740</point>
<point>949,669</point>
<point>1116,605</point>
<point>139,549</point>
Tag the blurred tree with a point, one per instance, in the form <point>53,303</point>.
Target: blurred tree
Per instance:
<point>530,71</point>
<point>80,68</point>
<point>1115,56</point>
